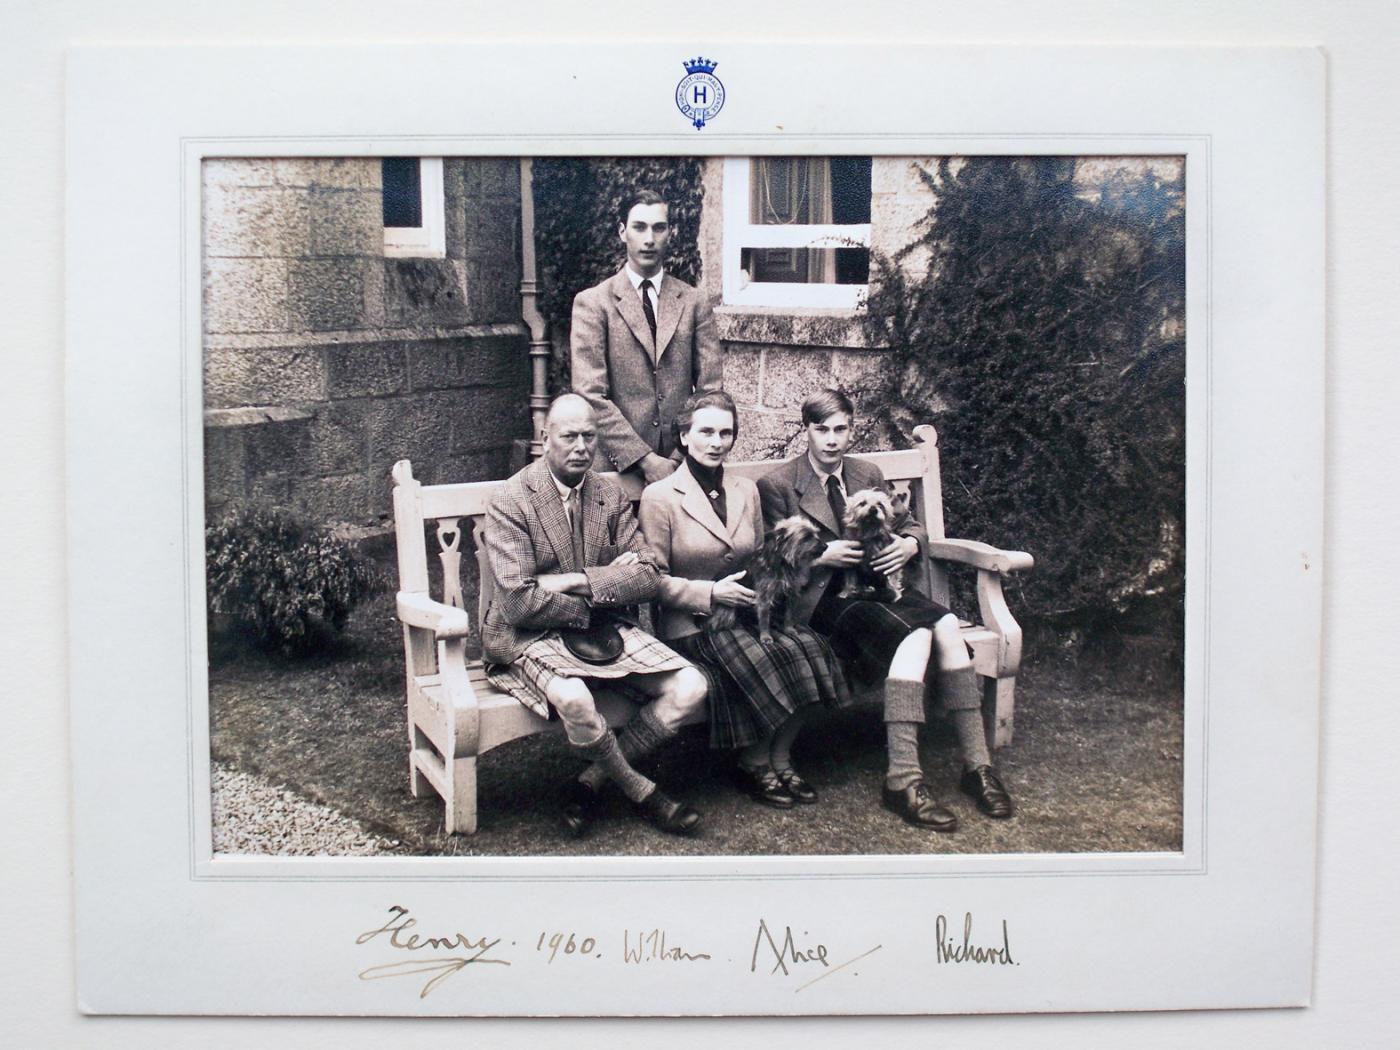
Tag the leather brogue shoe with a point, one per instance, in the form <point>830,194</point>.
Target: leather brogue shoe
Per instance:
<point>763,786</point>
<point>916,805</point>
<point>579,808</point>
<point>668,815</point>
<point>799,789</point>
<point>987,791</point>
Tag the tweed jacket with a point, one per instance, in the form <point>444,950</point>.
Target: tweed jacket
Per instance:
<point>692,547</point>
<point>794,489</point>
<point>527,535</point>
<point>637,387</point>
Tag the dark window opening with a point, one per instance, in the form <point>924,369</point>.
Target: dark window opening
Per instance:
<point>807,265</point>
<point>403,192</point>
<point>850,191</point>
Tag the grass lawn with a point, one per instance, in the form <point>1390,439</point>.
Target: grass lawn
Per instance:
<point>1096,764</point>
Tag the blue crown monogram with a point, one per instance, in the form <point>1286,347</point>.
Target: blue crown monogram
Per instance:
<point>700,95</point>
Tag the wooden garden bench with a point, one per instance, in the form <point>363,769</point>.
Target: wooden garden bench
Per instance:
<point>454,715</point>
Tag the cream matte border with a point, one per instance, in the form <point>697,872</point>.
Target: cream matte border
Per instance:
<point>164,928</point>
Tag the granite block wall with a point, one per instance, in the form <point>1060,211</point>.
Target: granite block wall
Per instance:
<point>325,361</point>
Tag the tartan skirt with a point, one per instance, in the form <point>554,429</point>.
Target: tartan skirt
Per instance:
<point>866,633</point>
<point>755,688</point>
<point>528,677</point>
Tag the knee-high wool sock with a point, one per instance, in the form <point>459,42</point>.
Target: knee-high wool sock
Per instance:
<point>960,698</point>
<point>606,757</point>
<point>640,737</point>
<point>904,713</point>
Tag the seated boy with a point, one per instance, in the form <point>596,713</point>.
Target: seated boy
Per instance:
<point>913,643</point>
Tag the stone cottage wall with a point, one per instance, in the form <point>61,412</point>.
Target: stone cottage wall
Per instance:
<point>325,362</point>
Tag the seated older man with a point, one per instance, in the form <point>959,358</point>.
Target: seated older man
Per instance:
<point>566,552</point>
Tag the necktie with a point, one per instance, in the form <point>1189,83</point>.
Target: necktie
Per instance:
<point>647,309</point>
<point>837,501</point>
<point>573,508</point>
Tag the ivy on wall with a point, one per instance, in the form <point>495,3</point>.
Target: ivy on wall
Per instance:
<point>576,239</point>
<point>1046,342</point>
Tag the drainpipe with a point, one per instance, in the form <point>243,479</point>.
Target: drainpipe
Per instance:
<point>539,328</point>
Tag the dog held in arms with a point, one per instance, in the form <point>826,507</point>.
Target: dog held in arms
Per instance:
<point>777,572</point>
<point>871,518</point>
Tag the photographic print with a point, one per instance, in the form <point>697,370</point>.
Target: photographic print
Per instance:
<point>783,552</point>
<point>1024,315</point>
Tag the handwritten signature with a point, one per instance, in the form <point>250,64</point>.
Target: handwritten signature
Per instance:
<point>438,969</point>
<point>949,950</point>
<point>788,954</point>
<point>652,947</point>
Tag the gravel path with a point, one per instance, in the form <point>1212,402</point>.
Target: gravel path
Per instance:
<point>254,815</point>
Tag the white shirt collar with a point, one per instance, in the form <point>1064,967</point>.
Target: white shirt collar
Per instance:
<point>637,279</point>
<point>823,474</point>
<point>565,490</point>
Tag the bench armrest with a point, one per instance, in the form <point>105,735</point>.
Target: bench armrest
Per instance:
<point>979,555</point>
<point>445,621</point>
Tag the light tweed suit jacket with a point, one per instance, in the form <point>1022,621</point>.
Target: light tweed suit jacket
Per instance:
<point>637,387</point>
<point>693,547</point>
<point>527,535</point>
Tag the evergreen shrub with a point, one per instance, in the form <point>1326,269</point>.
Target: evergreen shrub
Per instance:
<point>1045,340</point>
<point>277,577</point>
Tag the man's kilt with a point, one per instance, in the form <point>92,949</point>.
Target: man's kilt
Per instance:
<point>528,677</point>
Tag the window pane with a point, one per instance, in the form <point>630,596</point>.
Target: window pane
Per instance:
<point>809,191</point>
<point>403,192</point>
<point>807,265</point>
<point>850,191</point>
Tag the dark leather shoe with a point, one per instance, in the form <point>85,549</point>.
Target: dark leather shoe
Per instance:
<point>917,806</point>
<point>799,789</point>
<point>763,786</point>
<point>579,809</point>
<point>666,814</point>
<point>987,791</point>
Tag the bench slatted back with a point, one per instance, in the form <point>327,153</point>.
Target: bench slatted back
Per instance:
<point>913,471</point>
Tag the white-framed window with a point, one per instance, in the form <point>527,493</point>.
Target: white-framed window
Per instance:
<point>796,231</point>
<point>414,224</point>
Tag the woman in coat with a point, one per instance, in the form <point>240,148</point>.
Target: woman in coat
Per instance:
<point>703,525</point>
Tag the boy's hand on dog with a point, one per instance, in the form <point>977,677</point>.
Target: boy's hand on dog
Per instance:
<point>841,554</point>
<point>894,557</point>
<point>729,591</point>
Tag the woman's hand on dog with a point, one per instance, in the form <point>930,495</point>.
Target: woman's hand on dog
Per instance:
<point>841,554</point>
<point>729,591</point>
<point>894,557</point>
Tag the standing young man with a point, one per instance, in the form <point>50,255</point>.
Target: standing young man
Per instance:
<point>913,644</point>
<point>641,343</point>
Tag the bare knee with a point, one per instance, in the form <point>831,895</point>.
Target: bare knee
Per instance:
<point>692,688</point>
<point>911,658</point>
<point>946,631</point>
<point>573,700</point>
<point>952,650</point>
<point>682,701</point>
